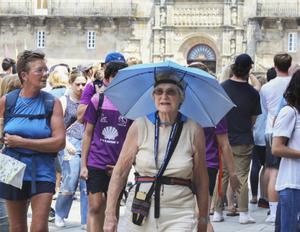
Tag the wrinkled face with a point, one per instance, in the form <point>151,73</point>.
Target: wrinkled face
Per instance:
<point>78,85</point>
<point>167,98</point>
<point>37,74</point>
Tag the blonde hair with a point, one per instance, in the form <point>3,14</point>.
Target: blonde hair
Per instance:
<point>133,61</point>
<point>10,83</point>
<point>57,78</point>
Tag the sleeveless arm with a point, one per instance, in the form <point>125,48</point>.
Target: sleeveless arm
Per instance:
<point>47,145</point>
<point>200,176</point>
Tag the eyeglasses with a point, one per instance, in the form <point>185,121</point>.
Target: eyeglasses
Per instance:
<point>170,92</point>
<point>41,71</point>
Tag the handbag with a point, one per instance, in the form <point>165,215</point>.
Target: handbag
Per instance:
<point>11,171</point>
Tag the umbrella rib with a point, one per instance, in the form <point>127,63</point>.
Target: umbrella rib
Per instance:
<point>125,78</point>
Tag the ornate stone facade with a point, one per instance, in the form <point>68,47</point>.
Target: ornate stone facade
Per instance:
<point>213,31</point>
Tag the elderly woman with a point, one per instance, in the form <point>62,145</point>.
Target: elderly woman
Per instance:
<point>33,134</point>
<point>150,142</point>
<point>286,137</point>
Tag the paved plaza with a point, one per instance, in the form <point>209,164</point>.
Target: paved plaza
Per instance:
<point>229,225</point>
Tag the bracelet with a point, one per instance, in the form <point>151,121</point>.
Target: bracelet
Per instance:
<point>203,219</point>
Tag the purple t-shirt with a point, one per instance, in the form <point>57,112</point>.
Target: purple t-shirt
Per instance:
<point>109,133</point>
<point>87,93</point>
<point>212,159</point>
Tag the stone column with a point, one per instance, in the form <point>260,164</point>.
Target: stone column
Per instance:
<point>227,15</point>
<point>251,38</point>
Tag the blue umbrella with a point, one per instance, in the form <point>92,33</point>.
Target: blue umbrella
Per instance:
<point>206,102</point>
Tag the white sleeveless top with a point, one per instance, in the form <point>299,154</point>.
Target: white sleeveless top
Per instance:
<point>180,164</point>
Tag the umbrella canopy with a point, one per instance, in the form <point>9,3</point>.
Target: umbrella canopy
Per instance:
<point>206,102</point>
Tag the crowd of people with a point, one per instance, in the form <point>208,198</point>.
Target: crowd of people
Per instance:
<point>70,135</point>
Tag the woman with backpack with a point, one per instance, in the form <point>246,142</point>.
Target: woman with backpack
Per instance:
<point>33,134</point>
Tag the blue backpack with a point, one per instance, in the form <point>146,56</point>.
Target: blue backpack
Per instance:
<point>11,99</point>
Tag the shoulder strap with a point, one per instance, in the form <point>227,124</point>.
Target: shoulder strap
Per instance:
<point>172,149</point>
<point>100,103</point>
<point>10,103</point>
<point>49,101</point>
<point>296,113</point>
<point>11,99</point>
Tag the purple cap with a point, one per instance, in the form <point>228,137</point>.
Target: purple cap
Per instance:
<point>243,60</point>
<point>114,56</point>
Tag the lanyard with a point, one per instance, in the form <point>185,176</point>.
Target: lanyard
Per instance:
<point>170,141</point>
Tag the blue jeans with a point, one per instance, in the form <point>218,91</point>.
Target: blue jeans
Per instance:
<point>290,209</point>
<point>3,217</point>
<point>69,183</point>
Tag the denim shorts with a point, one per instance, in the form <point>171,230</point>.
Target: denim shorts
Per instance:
<point>9,192</point>
<point>3,217</point>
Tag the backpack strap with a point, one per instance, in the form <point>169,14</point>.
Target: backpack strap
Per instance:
<point>100,103</point>
<point>49,101</point>
<point>10,103</point>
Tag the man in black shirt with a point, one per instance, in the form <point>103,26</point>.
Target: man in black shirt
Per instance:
<point>240,121</point>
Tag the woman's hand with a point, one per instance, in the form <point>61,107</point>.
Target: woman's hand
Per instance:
<point>12,140</point>
<point>84,173</point>
<point>70,148</point>
<point>110,223</point>
<point>235,183</point>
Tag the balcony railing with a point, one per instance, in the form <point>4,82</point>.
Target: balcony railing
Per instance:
<point>94,8</point>
<point>288,8</point>
<point>16,7</point>
<point>72,8</point>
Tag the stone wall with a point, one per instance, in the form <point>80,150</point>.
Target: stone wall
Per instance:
<point>152,30</point>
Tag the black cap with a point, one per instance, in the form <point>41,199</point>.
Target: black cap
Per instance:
<point>243,60</point>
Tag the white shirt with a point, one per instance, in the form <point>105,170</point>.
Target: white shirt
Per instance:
<point>271,94</point>
<point>289,169</point>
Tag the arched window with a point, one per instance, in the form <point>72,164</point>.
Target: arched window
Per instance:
<point>201,52</point>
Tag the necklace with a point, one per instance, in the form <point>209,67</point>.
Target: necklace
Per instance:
<point>23,100</point>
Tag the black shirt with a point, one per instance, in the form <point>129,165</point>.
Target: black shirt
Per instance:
<point>247,102</point>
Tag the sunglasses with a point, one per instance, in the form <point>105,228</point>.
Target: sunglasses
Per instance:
<point>170,92</point>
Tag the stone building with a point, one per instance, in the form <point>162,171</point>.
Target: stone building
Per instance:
<point>213,31</point>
